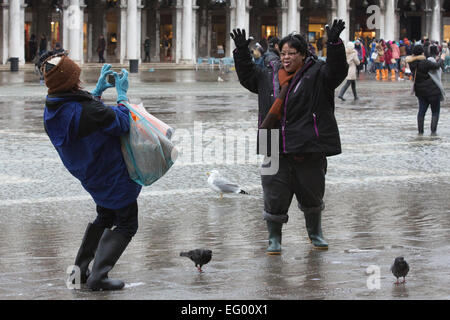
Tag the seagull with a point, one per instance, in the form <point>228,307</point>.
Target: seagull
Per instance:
<point>400,268</point>
<point>222,185</point>
<point>199,256</point>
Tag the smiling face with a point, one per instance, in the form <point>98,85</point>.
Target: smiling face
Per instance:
<point>291,59</point>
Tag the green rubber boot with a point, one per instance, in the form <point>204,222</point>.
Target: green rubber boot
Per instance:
<point>274,229</point>
<point>314,227</point>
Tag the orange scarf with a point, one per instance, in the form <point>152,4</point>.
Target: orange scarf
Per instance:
<point>276,110</point>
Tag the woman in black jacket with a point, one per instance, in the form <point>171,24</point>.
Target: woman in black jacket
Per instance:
<point>426,90</point>
<point>296,96</point>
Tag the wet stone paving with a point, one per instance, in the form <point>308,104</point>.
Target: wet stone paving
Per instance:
<point>387,195</point>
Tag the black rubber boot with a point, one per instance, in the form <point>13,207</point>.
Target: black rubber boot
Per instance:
<point>420,123</point>
<point>434,123</point>
<point>87,250</point>
<point>313,221</point>
<point>274,229</point>
<point>111,246</point>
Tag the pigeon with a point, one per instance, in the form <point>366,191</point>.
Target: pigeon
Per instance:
<point>400,268</point>
<point>222,185</point>
<point>199,256</point>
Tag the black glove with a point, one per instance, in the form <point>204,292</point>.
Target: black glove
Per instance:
<point>240,39</point>
<point>334,32</point>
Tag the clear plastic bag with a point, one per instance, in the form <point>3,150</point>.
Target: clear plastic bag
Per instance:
<point>147,149</point>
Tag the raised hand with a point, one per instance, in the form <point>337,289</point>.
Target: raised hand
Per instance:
<point>102,83</point>
<point>240,39</point>
<point>335,30</point>
<point>122,85</point>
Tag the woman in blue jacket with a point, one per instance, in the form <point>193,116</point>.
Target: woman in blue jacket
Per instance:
<point>86,135</point>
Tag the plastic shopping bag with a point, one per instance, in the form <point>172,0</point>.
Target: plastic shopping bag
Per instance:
<point>147,149</point>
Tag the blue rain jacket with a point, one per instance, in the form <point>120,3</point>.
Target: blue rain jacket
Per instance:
<point>86,135</point>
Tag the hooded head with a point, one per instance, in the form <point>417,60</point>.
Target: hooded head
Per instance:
<point>61,74</point>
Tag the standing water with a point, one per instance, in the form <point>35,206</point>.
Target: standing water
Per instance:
<point>386,196</point>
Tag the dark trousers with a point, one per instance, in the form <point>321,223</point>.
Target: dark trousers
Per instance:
<point>147,57</point>
<point>304,178</point>
<point>101,58</point>
<point>125,219</point>
<point>345,87</point>
<point>425,102</point>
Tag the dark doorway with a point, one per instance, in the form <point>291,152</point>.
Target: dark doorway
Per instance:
<point>411,27</point>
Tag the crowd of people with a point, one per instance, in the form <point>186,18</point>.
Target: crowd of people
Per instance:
<point>420,61</point>
<point>389,57</point>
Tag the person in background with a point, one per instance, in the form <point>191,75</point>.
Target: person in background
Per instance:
<point>58,49</point>
<point>379,61</point>
<point>360,54</point>
<point>258,53</point>
<point>273,53</point>
<point>42,45</point>
<point>428,91</point>
<point>445,56</point>
<point>147,49</point>
<point>101,46</point>
<point>32,47</point>
<point>353,63</point>
<point>396,55</point>
<point>319,45</point>
<point>389,61</point>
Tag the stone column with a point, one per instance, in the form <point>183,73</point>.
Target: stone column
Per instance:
<point>74,30</point>
<point>240,14</point>
<point>122,46</point>
<point>389,22</point>
<point>3,33</point>
<point>203,33</point>
<point>342,13</point>
<point>186,54</point>
<point>231,23</point>
<point>283,20</point>
<point>14,30</point>
<point>176,51</point>
<point>195,29</point>
<point>436,21</point>
<point>132,35</point>
<point>293,20</point>
<point>139,35</point>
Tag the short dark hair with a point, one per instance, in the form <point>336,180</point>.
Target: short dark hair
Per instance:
<point>273,41</point>
<point>296,41</point>
<point>417,50</point>
<point>434,51</point>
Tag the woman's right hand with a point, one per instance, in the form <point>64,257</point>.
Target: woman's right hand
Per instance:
<point>122,85</point>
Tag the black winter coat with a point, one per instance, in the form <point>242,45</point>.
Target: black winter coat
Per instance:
<point>424,86</point>
<point>308,124</point>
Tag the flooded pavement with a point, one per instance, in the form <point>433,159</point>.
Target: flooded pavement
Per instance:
<point>387,195</point>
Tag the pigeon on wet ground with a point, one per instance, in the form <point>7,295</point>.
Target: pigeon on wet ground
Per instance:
<point>400,268</point>
<point>199,256</point>
<point>220,184</point>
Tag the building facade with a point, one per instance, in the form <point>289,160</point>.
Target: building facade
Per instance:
<point>182,30</point>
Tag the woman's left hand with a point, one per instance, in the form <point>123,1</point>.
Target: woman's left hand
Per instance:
<point>102,83</point>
